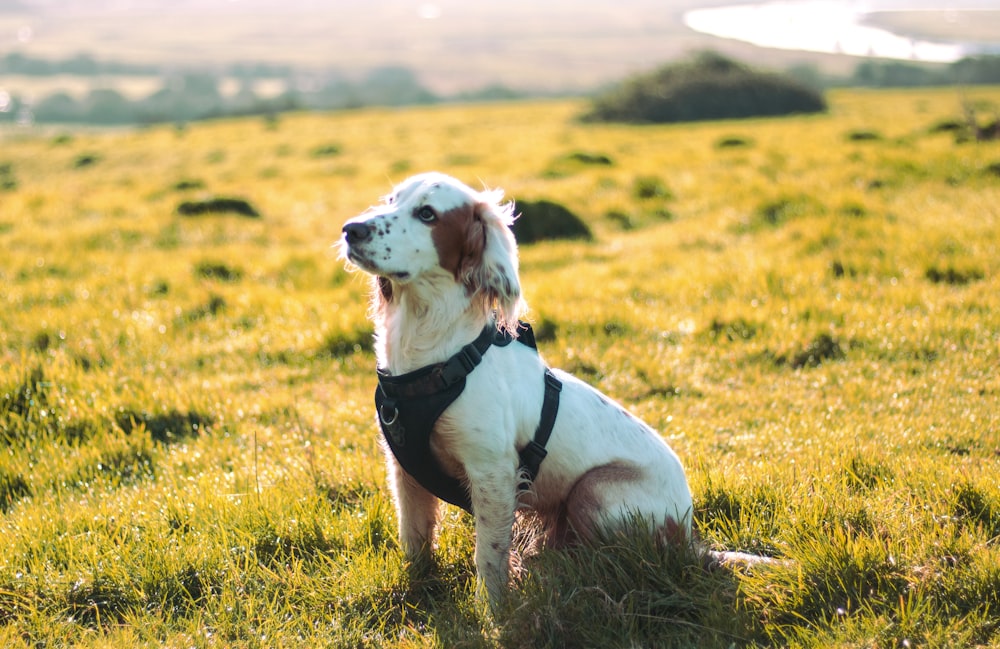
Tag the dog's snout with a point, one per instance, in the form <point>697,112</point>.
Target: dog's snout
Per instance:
<point>357,232</point>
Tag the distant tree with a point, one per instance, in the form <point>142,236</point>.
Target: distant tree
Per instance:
<point>708,86</point>
<point>185,97</point>
<point>393,86</point>
<point>105,106</point>
<point>976,69</point>
<point>493,92</point>
<point>17,63</point>
<point>808,74</point>
<point>973,70</point>
<point>60,107</point>
<point>883,74</point>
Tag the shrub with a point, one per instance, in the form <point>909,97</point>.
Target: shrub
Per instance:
<point>85,160</point>
<point>100,601</point>
<point>650,187</point>
<point>22,406</point>
<point>823,348</point>
<point>954,276</point>
<point>575,162</point>
<point>863,135</point>
<point>326,151</point>
<point>188,184</point>
<point>215,305</point>
<point>732,330</point>
<point>217,271</point>
<point>7,180</point>
<point>707,87</point>
<point>218,205</point>
<point>164,427</point>
<point>544,220</point>
<point>584,157</point>
<point>778,211</point>
<point>345,343</point>
<point>733,142</point>
<point>13,487</point>
<point>621,219</point>
<point>947,126</point>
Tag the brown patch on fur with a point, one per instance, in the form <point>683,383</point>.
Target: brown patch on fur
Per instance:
<point>672,533</point>
<point>459,237</point>
<point>577,518</point>
<point>385,288</point>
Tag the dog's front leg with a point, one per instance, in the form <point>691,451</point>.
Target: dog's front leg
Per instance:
<point>416,511</point>
<point>493,500</point>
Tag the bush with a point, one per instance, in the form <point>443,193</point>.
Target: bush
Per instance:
<point>217,271</point>
<point>188,184</point>
<point>7,180</point>
<point>13,487</point>
<point>544,220</point>
<point>707,87</point>
<point>954,276</point>
<point>823,348</point>
<point>85,160</point>
<point>863,135</point>
<point>218,205</point>
<point>733,142</point>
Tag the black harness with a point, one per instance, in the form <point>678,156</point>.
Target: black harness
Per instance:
<point>410,404</point>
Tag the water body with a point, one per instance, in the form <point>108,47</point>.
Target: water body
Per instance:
<point>818,26</point>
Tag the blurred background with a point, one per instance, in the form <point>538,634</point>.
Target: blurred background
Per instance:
<point>148,61</point>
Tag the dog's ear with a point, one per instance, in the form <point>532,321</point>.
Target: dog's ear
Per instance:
<point>493,273</point>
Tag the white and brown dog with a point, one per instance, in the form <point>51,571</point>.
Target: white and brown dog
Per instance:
<point>445,269</point>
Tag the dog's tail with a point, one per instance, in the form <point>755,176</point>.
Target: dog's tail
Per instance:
<point>724,559</point>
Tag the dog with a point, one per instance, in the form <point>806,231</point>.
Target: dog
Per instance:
<point>444,265</point>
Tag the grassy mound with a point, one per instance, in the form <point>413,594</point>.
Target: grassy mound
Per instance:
<point>544,220</point>
<point>707,87</point>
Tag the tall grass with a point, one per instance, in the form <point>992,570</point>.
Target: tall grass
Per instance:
<point>811,319</point>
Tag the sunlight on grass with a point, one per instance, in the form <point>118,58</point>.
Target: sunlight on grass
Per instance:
<point>809,316</point>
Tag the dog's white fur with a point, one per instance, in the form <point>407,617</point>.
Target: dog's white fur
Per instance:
<point>444,263</point>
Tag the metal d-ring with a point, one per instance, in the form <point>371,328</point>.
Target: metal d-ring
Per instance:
<point>386,420</point>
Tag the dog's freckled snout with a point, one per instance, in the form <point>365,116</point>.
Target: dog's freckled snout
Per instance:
<point>357,232</point>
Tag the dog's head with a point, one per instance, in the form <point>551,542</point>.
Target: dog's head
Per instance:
<point>433,228</point>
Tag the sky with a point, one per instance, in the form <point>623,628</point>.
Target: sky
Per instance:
<point>456,45</point>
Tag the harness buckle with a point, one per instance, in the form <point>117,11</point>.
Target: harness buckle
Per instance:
<point>460,365</point>
<point>470,357</point>
<point>552,382</point>
<point>531,459</point>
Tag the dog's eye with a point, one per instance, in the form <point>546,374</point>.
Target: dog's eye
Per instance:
<point>426,214</point>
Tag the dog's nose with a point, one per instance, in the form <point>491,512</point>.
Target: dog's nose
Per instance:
<point>357,232</point>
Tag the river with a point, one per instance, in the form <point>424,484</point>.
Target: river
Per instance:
<point>818,26</point>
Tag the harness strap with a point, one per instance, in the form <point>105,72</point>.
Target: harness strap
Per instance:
<point>409,404</point>
<point>438,377</point>
<point>534,451</point>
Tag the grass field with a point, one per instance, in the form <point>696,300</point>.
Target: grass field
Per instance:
<point>807,308</point>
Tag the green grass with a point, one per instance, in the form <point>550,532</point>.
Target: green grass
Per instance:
<point>188,449</point>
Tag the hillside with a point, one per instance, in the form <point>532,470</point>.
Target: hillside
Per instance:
<point>807,308</point>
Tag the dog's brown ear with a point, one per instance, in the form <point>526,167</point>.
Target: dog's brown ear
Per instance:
<point>495,275</point>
